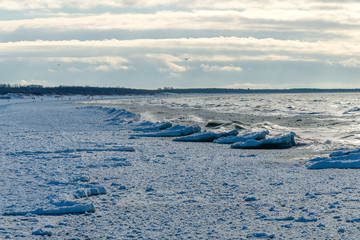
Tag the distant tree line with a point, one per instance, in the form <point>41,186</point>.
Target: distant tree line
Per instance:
<point>86,90</point>
<point>71,90</point>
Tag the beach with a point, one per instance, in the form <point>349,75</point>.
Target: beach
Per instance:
<point>77,170</point>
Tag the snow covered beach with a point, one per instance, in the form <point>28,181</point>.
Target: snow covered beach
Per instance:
<point>76,172</point>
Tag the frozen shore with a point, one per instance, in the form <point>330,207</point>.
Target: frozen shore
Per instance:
<point>71,171</point>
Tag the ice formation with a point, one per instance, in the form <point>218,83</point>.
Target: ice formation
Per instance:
<point>150,127</point>
<point>205,136</point>
<point>243,138</point>
<point>286,141</point>
<point>347,159</point>
<point>175,131</point>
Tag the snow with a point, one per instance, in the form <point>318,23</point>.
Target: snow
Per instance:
<point>286,141</point>
<point>205,136</point>
<point>159,188</point>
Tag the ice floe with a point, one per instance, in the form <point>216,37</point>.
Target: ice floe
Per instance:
<point>90,191</point>
<point>205,136</point>
<point>63,207</point>
<point>352,110</point>
<point>150,126</point>
<point>346,159</point>
<point>243,138</point>
<point>75,150</point>
<point>282,142</point>
<point>175,131</point>
<point>214,123</point>
<point>41,232</point>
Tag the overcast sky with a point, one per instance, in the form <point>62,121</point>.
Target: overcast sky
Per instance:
<point>207,43</point>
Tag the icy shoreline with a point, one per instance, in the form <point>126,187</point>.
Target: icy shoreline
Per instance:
<point>55,156</point>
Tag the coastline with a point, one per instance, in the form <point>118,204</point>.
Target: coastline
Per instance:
<point>162,189</point>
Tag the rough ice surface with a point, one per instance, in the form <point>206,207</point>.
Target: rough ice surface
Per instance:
<point>205,136</point>
<point>243,138</point>
<point>286,141</point>
<point>164,189</point>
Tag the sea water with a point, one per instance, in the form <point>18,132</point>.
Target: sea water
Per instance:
<point>324,118</point>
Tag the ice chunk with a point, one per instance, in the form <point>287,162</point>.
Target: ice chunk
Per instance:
<point>214,123</point>
<point>150,127</point>
<point>355,109</point>
<point>305,220</point>
<point>286,141</point>
<point>175,131</point>
<point>65,207</point>
<point>92,191</point>
<point>342,160</point>
<point>76,208</point>
<point>120,115</point>
<point>80,178</point>
<point>261,235</point>
<point>205,136</point>
<point>344,152</point>
<point>41,232</point>
<point>243,138</point>
<point>351,161</point>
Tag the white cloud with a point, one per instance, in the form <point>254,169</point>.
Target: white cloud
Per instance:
<point>33,82</point>
<point>352,62</point>
<point>170,62</point>
<point>230,46</point>
<point>224,4</point>
<point>100,63</point>
<point>214,68</point>
<point>248,85</point>
<point>232,19</point>
<point>74,69</point>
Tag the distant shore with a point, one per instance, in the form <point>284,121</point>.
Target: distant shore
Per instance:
<point>86,90</point>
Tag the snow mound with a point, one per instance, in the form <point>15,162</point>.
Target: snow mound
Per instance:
<point>347,159</point>
<point>243,138</point>
<point>205,136</point>
<point>60,208</point>
<point>282,142</point>
<point>150,126</point>
<point>175,131</point>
